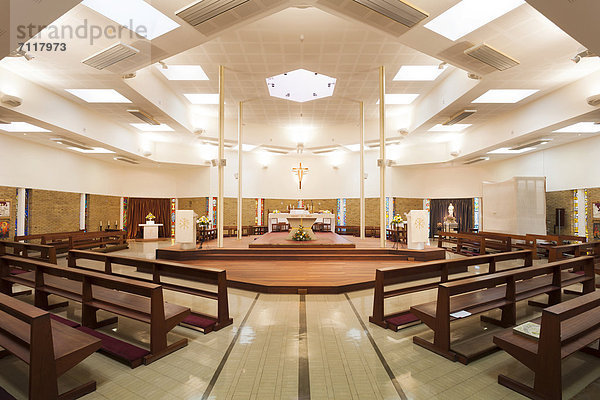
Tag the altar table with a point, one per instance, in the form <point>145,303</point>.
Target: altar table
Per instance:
<point>150,231</point>
<point>327,218</point>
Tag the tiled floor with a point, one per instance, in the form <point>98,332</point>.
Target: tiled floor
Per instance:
<point>262,355</point>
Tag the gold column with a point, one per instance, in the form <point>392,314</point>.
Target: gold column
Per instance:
<point>382,231</point>
<point>239,199</point>
<point>362,169</point>
<point>221,156</point>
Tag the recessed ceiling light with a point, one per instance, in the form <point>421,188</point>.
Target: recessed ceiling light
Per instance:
<point>353,147</point>
<point>136,15</point>
<point>506,150</point>
<point>506,96</point>
<point>301,86</point>
<point>580,127</point>
<point>21,127</point>
<point>399,98</point>
<point>449,128</point>
<point>99,95</point>
<point>94,150</point>
<point>153,128</point>
<point>202,98</point>
<point>183,72</point>
<point>469,15</point>
<point>419,72</point>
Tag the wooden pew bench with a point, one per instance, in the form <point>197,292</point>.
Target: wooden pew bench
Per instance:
<point>28,250</point>
<point>129,298</point>
<point>441,269</point>
<point>159,269</point>
<point>500,290</point>
<point>48,347</point>
<point>542,243</point>
<point>564,329</point>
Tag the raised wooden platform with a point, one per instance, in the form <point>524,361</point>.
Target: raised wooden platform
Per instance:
<point>324,240</point>
<point>300,269</point>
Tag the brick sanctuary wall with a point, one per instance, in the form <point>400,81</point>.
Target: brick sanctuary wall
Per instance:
<point>10,194</point>
<point>105,209</point>
<point>51,211</point>
<point>593,197</point>
<point>560,199</point>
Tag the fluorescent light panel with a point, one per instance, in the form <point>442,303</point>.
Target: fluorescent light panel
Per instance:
<point>505,96</point>
<point>99,95</point>
<point>580,127</point>
<point>353,147</point>
<point>449,128</point>
<point>469,15</point>
<point>21,127</point>
<point>398,11</point>
<point>137,15</point>
<point>506,150</point>
<point>399,98</point>
<point>419,73</point>
<point>153,128</point>
<point>94,150</point>
<point>183,72</point>
<point>202,98</point>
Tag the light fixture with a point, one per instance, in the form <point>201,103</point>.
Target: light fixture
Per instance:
<point>202,98</point>
<point>583,54</point>
<point>248,147</point>
<point>353,147</point>
<point>129,76</point>
<point>459,116</point>
<point>203,10</point>
<point>531,144</point>
<point>492,57</point>
<point>469,15</point>
<point>398,11</point>
<point>449,128</point>
<point>163,65</point>
<point>12,101</point>
<point>182,72</point>
<point>505,96</point>
<point>21,127</point>
<point>215,142</point>
<point>580,127</point>
<point>476,160</point>
<point>94,150</point>
<point>125,159</point>
<point>277,149</point>
<point>153,128</point>
<point>506,150</point>
<point>399,98</point>
<point>324,149</point>
<point>99,95</point>
<point>73,144</point>
<point>301,86</point>
<point>136,15</point>
<point>110,56</point>
<point>420,72</point>
<point>144,116</point>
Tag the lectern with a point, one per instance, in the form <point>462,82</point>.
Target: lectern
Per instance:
<point>185,229</point>
<point>417,229</point>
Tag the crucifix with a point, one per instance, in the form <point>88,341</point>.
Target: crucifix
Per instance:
<point>300,172</point>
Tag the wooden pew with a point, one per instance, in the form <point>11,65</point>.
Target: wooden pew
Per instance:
<point>48,347</point>
<point>141,301</point>
<point>576,250</point>
<point>541,243</point>
<point>160,269</point>
<point>348,230</point>
<point>564,329</point>
<point>63,242</point>
<point>36,237</point>
<point>46,253</point>
<point>466,243</point>
<point>513,241</point>
<point>500,290</point>
<point>441,269</point>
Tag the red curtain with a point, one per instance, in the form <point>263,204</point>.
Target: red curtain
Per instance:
<point>138,208</point>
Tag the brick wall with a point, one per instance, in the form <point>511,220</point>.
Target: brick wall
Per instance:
<point>559,199</point>
<point>51,211</point>
<point>105,209</point>
<point>10,194</point>
<point>404,205</point>
<point>593,197</point>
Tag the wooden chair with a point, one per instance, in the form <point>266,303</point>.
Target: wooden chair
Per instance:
<point>326,224</point>
<point>564,329</point>
<point>160,269</point>
<point>141,301</point>
<point>500,290</point>
<point>48,347</point>
<point>441,269</point>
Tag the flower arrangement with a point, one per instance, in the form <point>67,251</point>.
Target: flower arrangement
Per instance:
<point>203,221</point>
<point>275,211</point>
<point>301,235</point>
<point>150,217</point>
<point>450,219</point>
<point>324,212</point>
<point>397,220</point>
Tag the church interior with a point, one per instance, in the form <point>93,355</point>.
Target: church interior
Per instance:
<point>299,199</point>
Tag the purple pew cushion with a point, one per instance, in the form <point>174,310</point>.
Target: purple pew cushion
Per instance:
<point>15,271</point>
<point>4,395</point>
<point>402,319</point>
<point>65,321</point>
<point>199,321</point>
<point>116,347</point>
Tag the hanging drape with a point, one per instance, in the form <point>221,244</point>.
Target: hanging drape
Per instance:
<point>138,208</point>
<point>463,211</point>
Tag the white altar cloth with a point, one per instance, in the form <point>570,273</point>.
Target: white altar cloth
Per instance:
<point>283,217</point>
<point>150,231</point>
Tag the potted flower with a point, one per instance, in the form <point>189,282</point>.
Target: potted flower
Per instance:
<point>397,221</point>
<point>203,222</point>
<point>150,218</point>
<point>301,235</point>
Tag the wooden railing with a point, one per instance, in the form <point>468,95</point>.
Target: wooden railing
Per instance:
<point>29,250</point>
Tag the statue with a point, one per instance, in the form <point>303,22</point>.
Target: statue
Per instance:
<point>450,218</point>
<point>451,210</point>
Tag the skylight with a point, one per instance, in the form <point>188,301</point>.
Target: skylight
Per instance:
<point>136,15</point>
<point>469,15</point>
<point>399,98</point>
<point>94,150</point>
<point>21,127</point>
<point>153,128</point>
<point>203,98</point>
<point>301,86</point>
<point>506,150</point>
<point>449,128</point>
<point>183,72</point>
<point>99,95</point>
<point>419,72</point>
<point>580,127</point>
<point>504,95</point>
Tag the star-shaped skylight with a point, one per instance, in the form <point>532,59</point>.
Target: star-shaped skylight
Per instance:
<point>301,86</point>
